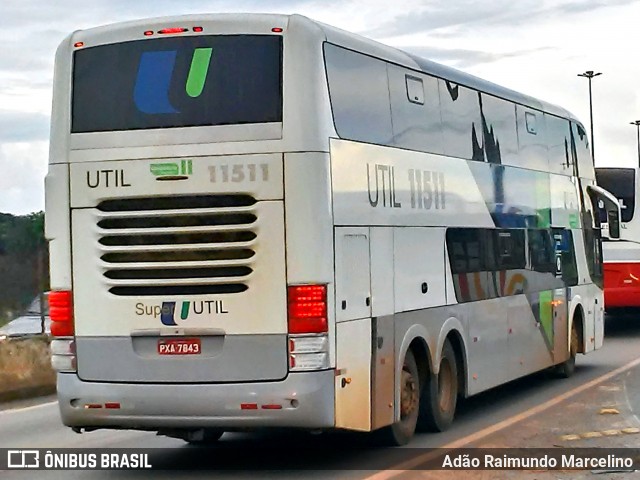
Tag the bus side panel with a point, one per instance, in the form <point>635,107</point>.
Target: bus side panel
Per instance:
<point>58,225</point>
<point>353,384</point>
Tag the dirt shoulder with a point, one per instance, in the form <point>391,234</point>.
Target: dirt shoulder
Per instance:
<point>25,368</point>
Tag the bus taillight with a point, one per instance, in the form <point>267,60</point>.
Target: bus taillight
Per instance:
<point>308,327</point>
<point>61,313</point>
<point>307,309</point>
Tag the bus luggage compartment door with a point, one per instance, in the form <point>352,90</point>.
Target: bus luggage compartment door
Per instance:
<point>353,329</point>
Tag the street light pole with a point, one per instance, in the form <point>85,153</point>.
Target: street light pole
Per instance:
<point>637,124</point>
<point>589,74</point>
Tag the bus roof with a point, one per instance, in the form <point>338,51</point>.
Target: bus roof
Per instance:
<point>259,22</point>
<point>394,55</point>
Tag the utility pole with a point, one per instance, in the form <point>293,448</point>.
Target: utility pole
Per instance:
<point>637,124</point>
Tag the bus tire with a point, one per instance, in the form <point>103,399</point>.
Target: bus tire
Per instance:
<point>209,436</point>
<point>400,433</point>
<point>568,367</point>
<point>440,394</point>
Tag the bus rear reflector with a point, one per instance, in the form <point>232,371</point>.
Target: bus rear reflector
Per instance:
<point>61,313</point>
<point>307,309</point>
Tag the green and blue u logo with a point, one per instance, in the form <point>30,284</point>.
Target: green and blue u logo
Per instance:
<point>151,91</point>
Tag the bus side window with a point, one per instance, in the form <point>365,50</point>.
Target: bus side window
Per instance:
<point>498,130</point>
<point>465,250</point>
<point>541,251</point>
<point>564,249</point>
<point>510,249</point>
<point>559,143</point>
<point>585,162</point>
<point>359,91</point>
<point>415,110</point>
<point>532,139</point>
<point>467,254</point>
<point>461,121</point>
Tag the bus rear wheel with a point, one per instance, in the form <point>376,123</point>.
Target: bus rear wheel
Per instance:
<point>400,433</point>
<point>568,367</point>
<point>208,436</point>
<point>440,394</point>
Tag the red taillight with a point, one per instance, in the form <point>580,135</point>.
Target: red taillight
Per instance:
<point>61,313</point>
<point>78,44</point>
<point>198,29</point>
<point>168,31</point>
<point>307,309</point>
<point>148,33</point>
<point>276,30</point>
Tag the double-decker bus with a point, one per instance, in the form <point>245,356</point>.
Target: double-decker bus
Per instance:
<point>622,258</point>
<point>263,221</point>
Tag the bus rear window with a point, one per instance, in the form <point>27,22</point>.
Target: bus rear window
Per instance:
<point>178,82</point>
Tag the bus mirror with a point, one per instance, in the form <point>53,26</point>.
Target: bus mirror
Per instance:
<point>603,199</point>
<point>613,221</point>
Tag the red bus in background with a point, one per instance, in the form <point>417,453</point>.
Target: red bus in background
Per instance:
<point>622,258</point>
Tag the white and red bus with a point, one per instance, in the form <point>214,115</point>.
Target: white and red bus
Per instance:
<point>622,258</point>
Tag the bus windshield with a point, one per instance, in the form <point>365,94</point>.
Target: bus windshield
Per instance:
<point>621,183</point>
<point>182,81</point>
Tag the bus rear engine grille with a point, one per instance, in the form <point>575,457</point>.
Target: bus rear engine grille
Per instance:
<point>177,245</point>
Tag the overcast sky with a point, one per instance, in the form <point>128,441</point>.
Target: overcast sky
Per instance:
<point>534,46</point>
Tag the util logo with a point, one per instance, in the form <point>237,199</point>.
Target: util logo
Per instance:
<point>168,310</point>
<point>207,308</point>
<point>155,71</point>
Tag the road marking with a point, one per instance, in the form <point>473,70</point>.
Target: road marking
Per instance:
<point>409,465</point>
<point>26,409</point>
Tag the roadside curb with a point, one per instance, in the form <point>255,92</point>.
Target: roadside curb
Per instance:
<point>27,393</point>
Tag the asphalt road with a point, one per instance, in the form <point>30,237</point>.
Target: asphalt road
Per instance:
<point>38,426</point>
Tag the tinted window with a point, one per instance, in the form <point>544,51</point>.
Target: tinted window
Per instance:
<point>541,251</point>
<point>415,110</point>
<point>582,151</point>
<point>565,252</point>
<point>558,140</point>
<point>621,182</point>
<point>359,92</point>
<point>178,82</point>
<point>532,139</point>
<point>509,249</point>
<point>461,122</point>
<point>499,136</point>
<point>489,263</point>
<point>466,248</point>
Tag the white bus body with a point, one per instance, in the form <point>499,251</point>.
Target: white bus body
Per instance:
<point>262,221</point>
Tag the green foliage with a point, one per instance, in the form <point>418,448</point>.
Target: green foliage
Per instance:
<point>23,262</point>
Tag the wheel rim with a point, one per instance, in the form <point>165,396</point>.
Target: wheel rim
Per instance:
<point>409,394</point>
<point>445,386</point>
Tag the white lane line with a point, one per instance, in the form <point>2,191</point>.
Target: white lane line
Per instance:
<point>407,466</point>
<point>26,409</point>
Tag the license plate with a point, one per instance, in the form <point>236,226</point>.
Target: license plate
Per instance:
<point>182,346</point>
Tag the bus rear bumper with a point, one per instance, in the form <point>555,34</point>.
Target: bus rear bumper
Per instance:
<point>621,297</point>
<point>302,400</point>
